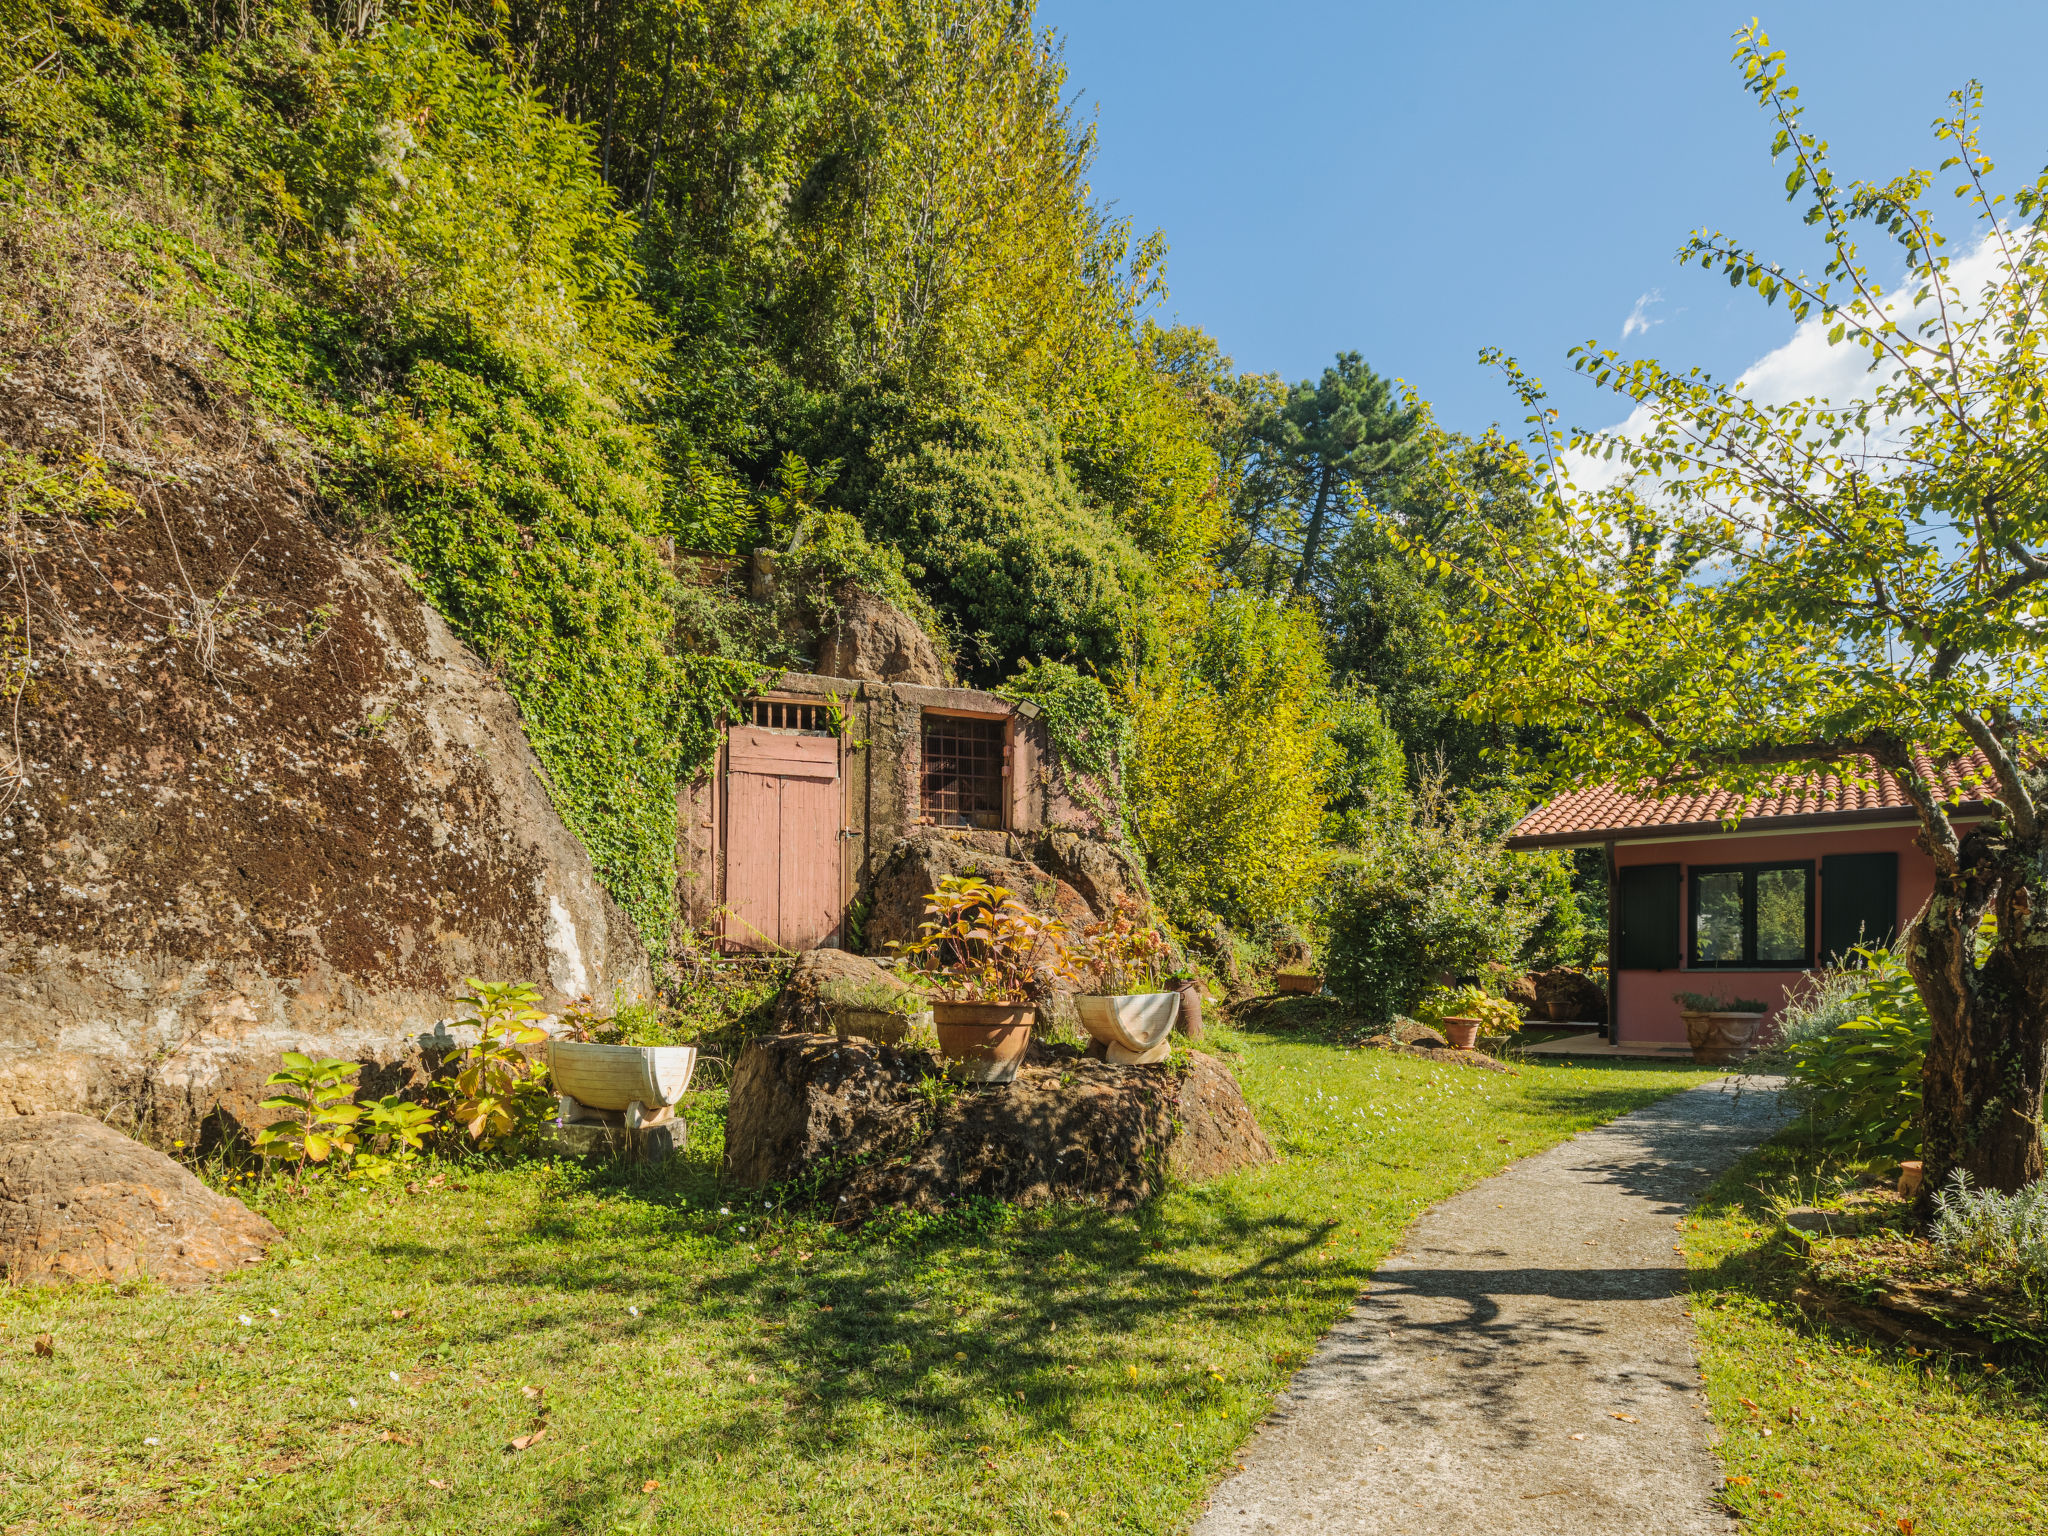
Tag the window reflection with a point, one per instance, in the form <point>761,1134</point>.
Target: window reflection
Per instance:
<point>1781,916</point>
<point>1717,919</point>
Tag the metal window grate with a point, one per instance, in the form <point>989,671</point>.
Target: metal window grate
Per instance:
<point>785,715</point>
<point>963,771</point>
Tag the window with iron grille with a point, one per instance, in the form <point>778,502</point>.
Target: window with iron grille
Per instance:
<point>963,771</point>
<point>787,715</point>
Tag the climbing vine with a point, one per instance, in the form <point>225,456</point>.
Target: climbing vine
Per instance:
<point>1090,734</point>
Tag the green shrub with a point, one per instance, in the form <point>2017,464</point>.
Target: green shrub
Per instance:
<point>2007,1234</point>
<point>1017,561</point>
<point>1432,896</point>
<point>1855,1075</point>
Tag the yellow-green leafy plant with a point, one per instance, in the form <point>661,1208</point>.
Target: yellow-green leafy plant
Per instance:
<point>1125,953</point>
<point>498,1090</point>
<point>403,1127</point>
<point>980,944</point>
<point>320,1095</point>
<point>1496,1015</point>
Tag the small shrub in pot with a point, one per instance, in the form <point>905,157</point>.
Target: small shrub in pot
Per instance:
<point>984,958</point>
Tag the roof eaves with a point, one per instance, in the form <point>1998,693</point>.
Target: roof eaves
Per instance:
<point>1660,832</point>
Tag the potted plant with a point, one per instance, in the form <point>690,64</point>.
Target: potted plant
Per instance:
<point>1132,1008</point>
<point>882,1011</point>
<point>1720,1030</point>
<point>984,958</point>
<point>1292,963</point>
<point>1463,1012</point>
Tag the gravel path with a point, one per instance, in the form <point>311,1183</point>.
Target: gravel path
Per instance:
<point>1523,1362</point>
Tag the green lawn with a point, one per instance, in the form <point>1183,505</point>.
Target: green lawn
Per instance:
<point>709,1364</point>
<point>1829,1431</point>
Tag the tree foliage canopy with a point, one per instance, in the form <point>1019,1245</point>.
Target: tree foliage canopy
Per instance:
<point>1814,586</point>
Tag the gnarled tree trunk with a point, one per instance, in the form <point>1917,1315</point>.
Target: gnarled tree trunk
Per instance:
<point>1981,1090</point>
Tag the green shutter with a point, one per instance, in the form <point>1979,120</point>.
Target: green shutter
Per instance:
<point>1647,896</point>
<point>1859,901</point>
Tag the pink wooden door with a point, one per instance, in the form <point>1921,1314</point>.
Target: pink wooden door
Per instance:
<point>781,839</point>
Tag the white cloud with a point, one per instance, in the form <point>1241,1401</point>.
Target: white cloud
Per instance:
<point>1639,320</point>
<point>1806,366</point>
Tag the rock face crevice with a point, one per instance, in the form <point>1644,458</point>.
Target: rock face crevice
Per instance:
<point>877,1126</point>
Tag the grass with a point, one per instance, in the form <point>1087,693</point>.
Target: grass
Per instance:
<point>1827,1430</point>
<point>711,1362</point>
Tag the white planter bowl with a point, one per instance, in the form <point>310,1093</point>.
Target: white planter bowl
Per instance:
<point>1136,1026</point>
<point>619,1077</point>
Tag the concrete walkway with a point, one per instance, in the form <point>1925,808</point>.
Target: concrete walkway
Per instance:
<point>1523,1362</point>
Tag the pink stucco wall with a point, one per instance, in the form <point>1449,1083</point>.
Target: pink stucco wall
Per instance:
<point>1645,1011</point>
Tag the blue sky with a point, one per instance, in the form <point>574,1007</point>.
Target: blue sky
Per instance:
<point>1419,181</point>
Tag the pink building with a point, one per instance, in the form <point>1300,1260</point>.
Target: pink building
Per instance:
<point>1709,894</point>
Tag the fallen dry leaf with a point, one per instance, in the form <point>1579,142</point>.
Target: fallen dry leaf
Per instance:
<point>1906,1525</point>
<point>1740,1482</point>
<point>435,1482</point>
<point>400,1312</point>
<point>1626,1418</point>
<point>650,1485</point>
<point>392,1439</point>
<point>45,1345</point>
<point>1578,1437</point>
<point>530,1440</point>
<point>532,1394</point>
<point>752,1378</point>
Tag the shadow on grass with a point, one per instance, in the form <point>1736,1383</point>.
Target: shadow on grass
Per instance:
<point>1084,1296</point>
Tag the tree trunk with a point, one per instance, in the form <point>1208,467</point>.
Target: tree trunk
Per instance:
<point>1312,542</point>
<point>660,124</point>
<point>1981,1089</point>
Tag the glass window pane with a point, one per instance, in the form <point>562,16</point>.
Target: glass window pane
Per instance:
<point>1717,920</point>
<point>1781,916</point>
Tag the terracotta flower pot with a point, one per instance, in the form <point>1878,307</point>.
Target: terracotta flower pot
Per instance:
<point>983,1042</point>
<point>1297,981</point>
<point>1717,1039</point>
<point>1190,1021</point>
<point>1462,1033</point>
<point>1135,1026</point>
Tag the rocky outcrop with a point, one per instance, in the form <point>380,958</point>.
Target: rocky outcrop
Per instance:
<point>867,637</point>
<point>916,865</point>
<point>80,1201</point>
<point>1103,873</point>
<point>268,800</point>
<point>880,1126</point>
<point>801,1009</point>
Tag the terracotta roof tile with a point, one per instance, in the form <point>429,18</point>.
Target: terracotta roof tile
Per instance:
<point>1606,811</point>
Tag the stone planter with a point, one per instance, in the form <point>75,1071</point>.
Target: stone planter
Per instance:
<point>1135,1027</point>
<point>1717,1039</point>
<point>884,1026</point>
<point>1297,981</point>
<point>1463,1034</point>
<point>983,1042</point>
<point>1190,1021</point>
<point>629,1085</point>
